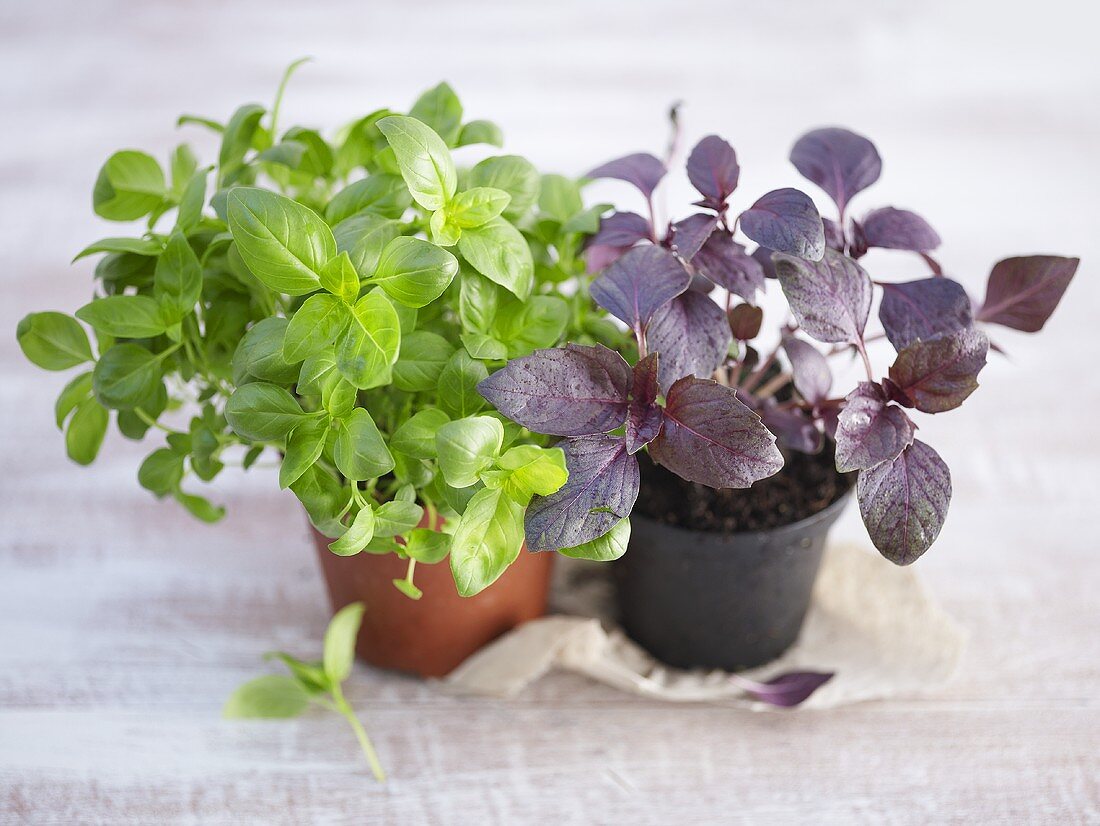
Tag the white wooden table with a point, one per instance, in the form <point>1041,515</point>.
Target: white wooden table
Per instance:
<point>124,625</point>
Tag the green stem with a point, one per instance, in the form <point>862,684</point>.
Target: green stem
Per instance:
<point>149,420</point>
<point>360,733</point>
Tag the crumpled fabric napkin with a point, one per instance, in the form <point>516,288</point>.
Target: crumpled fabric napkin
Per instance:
<point>870,622</point>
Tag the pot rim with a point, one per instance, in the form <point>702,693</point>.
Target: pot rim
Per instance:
<point>827,513</point>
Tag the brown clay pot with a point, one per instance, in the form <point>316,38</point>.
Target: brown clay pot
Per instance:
<point>432,635</point>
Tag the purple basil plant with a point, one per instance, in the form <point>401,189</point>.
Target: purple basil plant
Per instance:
<point>702,402</point>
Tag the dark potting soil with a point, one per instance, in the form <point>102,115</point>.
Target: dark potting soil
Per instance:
<point>806,484</point>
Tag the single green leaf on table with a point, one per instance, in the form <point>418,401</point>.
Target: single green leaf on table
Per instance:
<point>384,195</point>
<point>303,449</point>
<point>480,131</point>
<point>200,507</point>
<point>528,470</point>
<point>311,676</point>
<point>415,437</point>
<point>467,447</point>
<point>486,541</point>
<point>130,186</point>
<point>273,696</point>
<point>260,354</point>
<point>263,412</point>
<point>458,382</point>
<point>440,109</point>
<point>427,546</point>
<point>161,472</point>
<point>76,391</point>
<point>396,518</point>
<point>126,375</point>
<point>512,174</point>
<point>360,451</point>
<point>358,534</point>
<point>421,361</point>
<point>177,284</point>
<point>604,548</point>
<point>284,244</point>
<point>124,316</point>
<point>146,247</point>
<point>499,252</point>
<point>53,341</point>
<point>84,435</point>
<point>314,326</point>
<point>367,349</point>
<point>340,641</point>
<point>414,271</point>
<point>424,161</point>
<point>340,278</point>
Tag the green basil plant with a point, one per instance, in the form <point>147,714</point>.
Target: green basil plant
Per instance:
<point>335,302</point>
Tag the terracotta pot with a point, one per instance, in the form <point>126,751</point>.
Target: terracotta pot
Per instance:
<point>432,635</point>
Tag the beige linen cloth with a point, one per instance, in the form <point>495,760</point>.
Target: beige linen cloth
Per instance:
<point>870,623</point>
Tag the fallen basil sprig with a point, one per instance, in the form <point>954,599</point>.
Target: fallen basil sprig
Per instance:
<point>333,302</point>
<point>703,401</point>
<point>280,696</point>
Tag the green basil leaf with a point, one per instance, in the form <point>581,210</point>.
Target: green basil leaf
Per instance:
<point>363,237</point>
<point>130,185</point>
<point>442,230</point>
<point>458,382</point>
<point>324,499</point>
<point>183,165</point>
<point>422,359</point>
<point>415,437</point>
<point>477,206</point>
<point>340,641</point>
<point>317,159</point>
<point>467,447</point>
<point>53,341</point>
<point>260,354</point>
<point>427,546</point>
<point>124,316</point>
<point>440,109</point>
<point>368,347</point>
<point>424,160</point>
<point>481,346</point>
<point>273,696</point>
<point>528,470</point>
<point>303,448</point>
<point>314,326</point>
<point>384,195</point>
<point>76,391</point>
<point>513,174</point>
<point>478,301</point>
<point>414,271</point>
<point>339,397</point>
<point>310,676</point>
<point>147,247</point>
<point>480,131</point>
<point>534,324</point>
<point>340,278</point>
<point>177,284</point>
<point>161,472</point>
<point>604,548</point>
<point>262,412</point>
<point>396,518</point>
<point>560,197</point>
<point>237,138</point>
<point>486,541</point>
<point>85,432</point>
<point>284,244</point>
<point>318,373</point>
<point>357,536</point>
<point>360,450</point>
<point>191,202</point>
<point>125,376</point>
<point>499,252</point>
<point>200,507</point>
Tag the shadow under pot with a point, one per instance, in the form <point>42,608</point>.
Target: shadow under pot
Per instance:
<point>721,597</point>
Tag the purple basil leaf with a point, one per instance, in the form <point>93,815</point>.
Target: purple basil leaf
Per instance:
<point>569,391</point>
<point>601,490</point>
<point>834,235</point>
<point>869,430</point>
<point>689,235</point>
<point>786,220</point>
<point>691,334</point>
<point>938,374</point>
<point>898,229</point>
<point>809,369</point>
<point>641,169</point>
<point>644,416</point>
<point>840,162</point>
<point>923,309</point>
<point>598,257</point>
<point>1023,292</point>
<point>745,320</point>
<point>786,690</point>
<point>713,438</point>
<point>712,169</point>
<point>763,256</point>
<point>904,502</point>
<point>724,261</point>
<point>793,429</point>
<point>830,298</point>
<point>638,284</point>
<point>621,229</point>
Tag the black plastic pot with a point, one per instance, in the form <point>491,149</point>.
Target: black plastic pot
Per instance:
<point>707,600</point>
